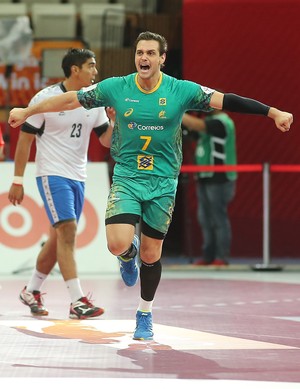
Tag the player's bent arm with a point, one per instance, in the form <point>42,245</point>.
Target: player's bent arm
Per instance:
<point>105,138</point>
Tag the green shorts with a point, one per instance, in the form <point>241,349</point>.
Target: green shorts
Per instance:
<point>150,197</point>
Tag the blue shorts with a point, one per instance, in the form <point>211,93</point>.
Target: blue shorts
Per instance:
<point>63,198</point>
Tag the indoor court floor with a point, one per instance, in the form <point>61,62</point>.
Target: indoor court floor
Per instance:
<point>231,327</point>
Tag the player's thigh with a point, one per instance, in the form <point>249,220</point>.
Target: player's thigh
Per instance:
<point>124,198</point>
<point>158,213</point>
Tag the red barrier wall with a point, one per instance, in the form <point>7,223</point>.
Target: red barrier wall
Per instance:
<point>250,47</point>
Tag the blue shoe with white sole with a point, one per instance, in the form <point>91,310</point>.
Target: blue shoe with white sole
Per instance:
<point>144,329</point>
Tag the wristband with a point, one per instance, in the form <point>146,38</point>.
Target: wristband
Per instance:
<point>18,180</point>
<point>111,123</point>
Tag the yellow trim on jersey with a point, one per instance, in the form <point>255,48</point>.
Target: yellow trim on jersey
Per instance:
<point>148,91</point>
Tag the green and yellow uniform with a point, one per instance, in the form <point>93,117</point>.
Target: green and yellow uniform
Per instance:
<point>146,142</point>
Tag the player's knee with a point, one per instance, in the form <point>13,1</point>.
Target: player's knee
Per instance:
<point>118,247</point>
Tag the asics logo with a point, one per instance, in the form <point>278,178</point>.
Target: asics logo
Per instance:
<point>128,112</point>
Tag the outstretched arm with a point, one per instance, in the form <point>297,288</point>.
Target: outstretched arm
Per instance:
<point>234,103</point>
<point>64,102</point>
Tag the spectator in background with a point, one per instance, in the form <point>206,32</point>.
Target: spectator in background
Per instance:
<point>62,141</point>
<point>215,134</point>
<point>2,144</point>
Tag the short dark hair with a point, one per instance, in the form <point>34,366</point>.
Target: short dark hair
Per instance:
<point>152,36</point>
<point>76,57</point>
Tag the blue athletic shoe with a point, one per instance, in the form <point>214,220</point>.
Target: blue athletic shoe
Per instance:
<point>129,268</point>
<point>143,330</point>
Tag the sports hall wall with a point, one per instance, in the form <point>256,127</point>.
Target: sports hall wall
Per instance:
<point>251,47</point>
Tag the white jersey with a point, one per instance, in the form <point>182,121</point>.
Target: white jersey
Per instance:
<point>62,138</point>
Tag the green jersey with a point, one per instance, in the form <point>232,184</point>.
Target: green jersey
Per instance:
<point>147,137</point>
<point>214,149</point>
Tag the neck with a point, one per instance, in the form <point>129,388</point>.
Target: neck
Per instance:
<point>70,85</point>
<point>150,83</point>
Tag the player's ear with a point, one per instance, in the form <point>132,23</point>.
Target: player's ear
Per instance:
<point>162,58</point>
<point>74,69</point>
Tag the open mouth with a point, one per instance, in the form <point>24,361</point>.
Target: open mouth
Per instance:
<point>144,67</point>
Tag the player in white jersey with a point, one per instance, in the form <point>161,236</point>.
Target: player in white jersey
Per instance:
<point>62,140</point>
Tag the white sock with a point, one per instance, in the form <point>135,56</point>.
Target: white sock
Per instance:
<point>74,289</point>
<point>145,306</point>
<point>36,281</point>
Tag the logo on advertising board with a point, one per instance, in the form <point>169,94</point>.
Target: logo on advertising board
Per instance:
<point>24,228</point>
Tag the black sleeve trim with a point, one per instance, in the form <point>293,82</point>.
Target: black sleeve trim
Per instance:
<point>235,103</point>
<point>101,129</point>
<point>29,129</point>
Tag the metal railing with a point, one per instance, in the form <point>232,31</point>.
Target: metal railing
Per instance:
<point>266,169</point>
